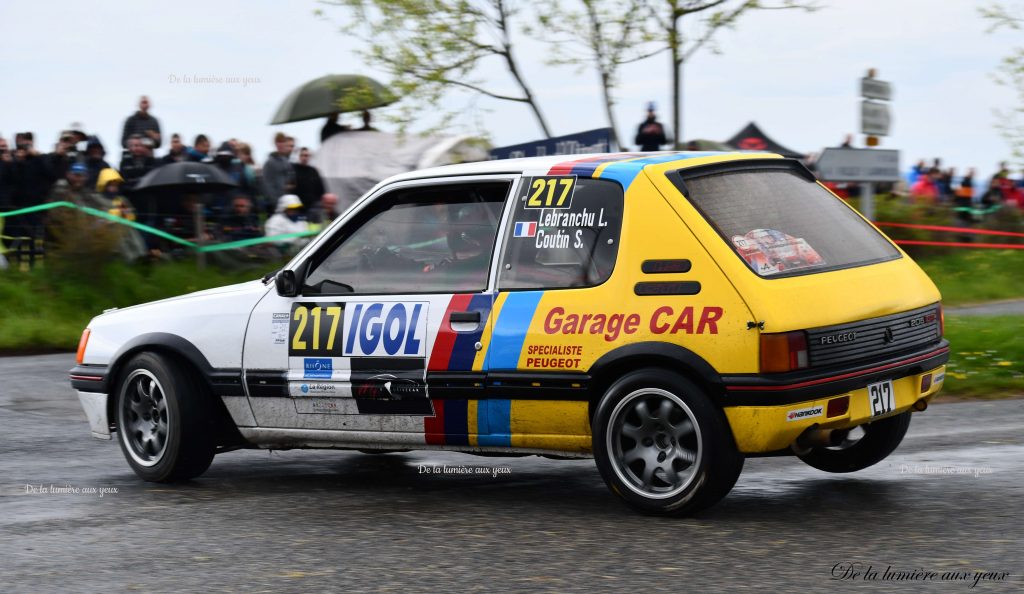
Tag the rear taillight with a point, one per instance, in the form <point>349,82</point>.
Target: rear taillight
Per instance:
<point>81,346</point>
<point>786,351</point>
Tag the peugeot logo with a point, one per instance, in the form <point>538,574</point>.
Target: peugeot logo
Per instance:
<point>888,336</point>
<point>838,338</point>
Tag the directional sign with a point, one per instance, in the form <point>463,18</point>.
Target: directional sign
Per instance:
<point>874,118</point>
<point>872,88</point>
<point>859,165</point>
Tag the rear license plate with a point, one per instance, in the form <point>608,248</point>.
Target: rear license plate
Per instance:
<point>881,398</point>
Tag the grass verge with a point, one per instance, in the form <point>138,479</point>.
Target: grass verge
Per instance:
<point>987,359</point>
<point>976,275</point>
<point>47,309</point>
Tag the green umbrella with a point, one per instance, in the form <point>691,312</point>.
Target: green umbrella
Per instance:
<point>330,94</point>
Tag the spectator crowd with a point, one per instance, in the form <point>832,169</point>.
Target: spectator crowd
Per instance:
<point>285,195</point>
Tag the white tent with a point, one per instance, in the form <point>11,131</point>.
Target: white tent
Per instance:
<point>352,162</point>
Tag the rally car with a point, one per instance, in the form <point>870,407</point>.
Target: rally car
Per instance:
<point>668,314</point>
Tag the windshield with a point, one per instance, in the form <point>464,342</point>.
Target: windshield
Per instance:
<point>782,223</point>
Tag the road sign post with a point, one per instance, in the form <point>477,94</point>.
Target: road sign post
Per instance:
<point>863,166</point>
<point>875,121</point>
<point>874,118</point>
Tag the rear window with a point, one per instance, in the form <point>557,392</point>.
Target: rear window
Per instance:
<point>781,223</point>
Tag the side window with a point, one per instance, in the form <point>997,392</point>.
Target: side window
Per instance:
<point>431,239</point>
<point>564,232</point>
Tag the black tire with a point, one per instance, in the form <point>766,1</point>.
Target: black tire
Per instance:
<point>879,440</point>
<point>165,422</point>
<point>686,444</point>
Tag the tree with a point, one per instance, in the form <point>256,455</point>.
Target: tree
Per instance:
<point>604,34</point>
<point>1011,74</point>
<point>668,18</point>
<point>432,46</point>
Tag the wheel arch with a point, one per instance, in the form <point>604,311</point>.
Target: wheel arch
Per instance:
<point>184,353</point>
<point>622,360</point>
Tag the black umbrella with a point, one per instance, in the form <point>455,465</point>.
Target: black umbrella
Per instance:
<point>186,177</point>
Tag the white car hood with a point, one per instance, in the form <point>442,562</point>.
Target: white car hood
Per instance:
<point>213,321</point>
<point>256,287</point>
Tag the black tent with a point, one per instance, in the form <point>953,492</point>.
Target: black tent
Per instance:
<point>751,138</point>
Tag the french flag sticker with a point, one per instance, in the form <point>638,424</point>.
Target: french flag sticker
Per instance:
<point>525,229</point>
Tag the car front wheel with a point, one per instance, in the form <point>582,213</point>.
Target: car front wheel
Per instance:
<point>661,446</point>
<point>164,421</point>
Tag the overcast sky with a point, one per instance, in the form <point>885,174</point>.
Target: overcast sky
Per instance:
<point>795,74</point>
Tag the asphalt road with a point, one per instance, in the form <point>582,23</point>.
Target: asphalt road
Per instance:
<point>948,500</point>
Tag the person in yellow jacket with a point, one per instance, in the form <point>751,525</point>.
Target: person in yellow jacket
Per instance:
<point>108,186</point>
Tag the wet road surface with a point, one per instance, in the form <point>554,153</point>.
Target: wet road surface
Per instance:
<point>948,500</point>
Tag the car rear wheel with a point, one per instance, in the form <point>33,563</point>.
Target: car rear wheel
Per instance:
<point>661,446</point>
<point>165,423</point>
<point>865,445</point>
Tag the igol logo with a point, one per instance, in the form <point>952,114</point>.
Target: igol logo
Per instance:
<point>385,329</point>
<point>305,388</point>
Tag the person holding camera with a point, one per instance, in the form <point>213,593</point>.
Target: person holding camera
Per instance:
<point>65,152</point>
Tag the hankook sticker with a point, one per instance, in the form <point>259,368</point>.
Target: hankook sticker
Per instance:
<point>805,413</point>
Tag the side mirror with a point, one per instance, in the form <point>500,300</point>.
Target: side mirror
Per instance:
<point>287,284</point>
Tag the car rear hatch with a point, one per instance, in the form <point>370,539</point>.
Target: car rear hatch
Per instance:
<point>802,259</point>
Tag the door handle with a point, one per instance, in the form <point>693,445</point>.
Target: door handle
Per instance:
<point>464,317</point>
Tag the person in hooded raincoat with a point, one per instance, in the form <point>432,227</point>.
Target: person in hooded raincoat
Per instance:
<point>108,190</point>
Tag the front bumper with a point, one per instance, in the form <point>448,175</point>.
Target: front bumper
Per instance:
<point>95,406</point>
<point>759,410</point>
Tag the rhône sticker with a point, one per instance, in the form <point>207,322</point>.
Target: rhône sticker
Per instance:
<point>317,368</point>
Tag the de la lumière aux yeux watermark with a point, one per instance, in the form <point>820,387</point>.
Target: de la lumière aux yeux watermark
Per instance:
<point>846,571</point>
<point>212,79</point>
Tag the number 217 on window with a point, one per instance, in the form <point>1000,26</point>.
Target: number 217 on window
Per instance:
<point>550,191</point>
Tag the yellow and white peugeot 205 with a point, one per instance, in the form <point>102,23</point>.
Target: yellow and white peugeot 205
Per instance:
<point>668,314</point>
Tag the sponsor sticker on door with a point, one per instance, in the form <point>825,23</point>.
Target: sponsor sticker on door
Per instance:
<point>376,329</point>
<point>314,368</point>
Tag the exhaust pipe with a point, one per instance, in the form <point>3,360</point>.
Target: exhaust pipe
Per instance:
<point>814,437</point>
<point>921,405</point>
